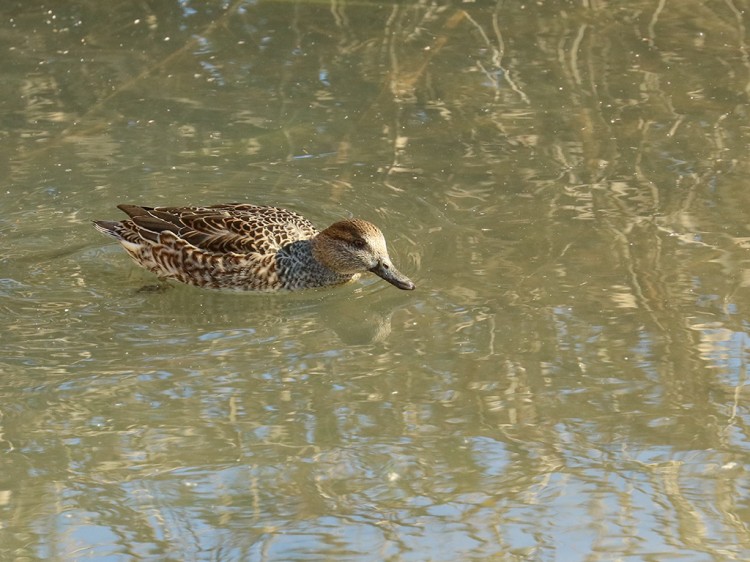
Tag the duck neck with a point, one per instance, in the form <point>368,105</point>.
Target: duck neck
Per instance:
<point>300,266</point>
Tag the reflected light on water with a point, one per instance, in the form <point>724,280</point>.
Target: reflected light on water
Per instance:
<point>568,195</point>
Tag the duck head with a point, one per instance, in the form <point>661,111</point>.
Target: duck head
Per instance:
<point>356,246</point>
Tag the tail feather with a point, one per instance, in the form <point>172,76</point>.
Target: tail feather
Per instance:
<point>135,210</point>
<point>107,227</point>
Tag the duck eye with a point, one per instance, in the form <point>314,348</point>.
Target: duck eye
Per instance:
<point>359,243</point>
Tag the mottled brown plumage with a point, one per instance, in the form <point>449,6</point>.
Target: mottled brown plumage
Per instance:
<point>249,247</point>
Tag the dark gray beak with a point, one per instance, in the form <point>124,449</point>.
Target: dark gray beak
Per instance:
<point>393,276</point>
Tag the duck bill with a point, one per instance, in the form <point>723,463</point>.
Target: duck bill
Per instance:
<point>393,276</point>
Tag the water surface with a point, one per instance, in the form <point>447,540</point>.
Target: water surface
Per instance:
<point>566,183</point>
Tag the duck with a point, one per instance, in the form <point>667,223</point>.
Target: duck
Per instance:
<point>251,247</point>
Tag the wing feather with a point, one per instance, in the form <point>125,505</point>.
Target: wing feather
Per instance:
<point>222,229</point>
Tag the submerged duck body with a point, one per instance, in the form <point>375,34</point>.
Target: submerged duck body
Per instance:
<point>250,247</point>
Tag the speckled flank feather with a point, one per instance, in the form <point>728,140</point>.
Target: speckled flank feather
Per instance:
<point>250,247</point>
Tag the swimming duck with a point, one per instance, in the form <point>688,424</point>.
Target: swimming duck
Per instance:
<point>251,248</point>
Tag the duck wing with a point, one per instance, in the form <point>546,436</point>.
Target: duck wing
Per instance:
<point>222,229</point>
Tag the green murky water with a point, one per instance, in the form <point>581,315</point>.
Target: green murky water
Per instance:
<point>565,182</point>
